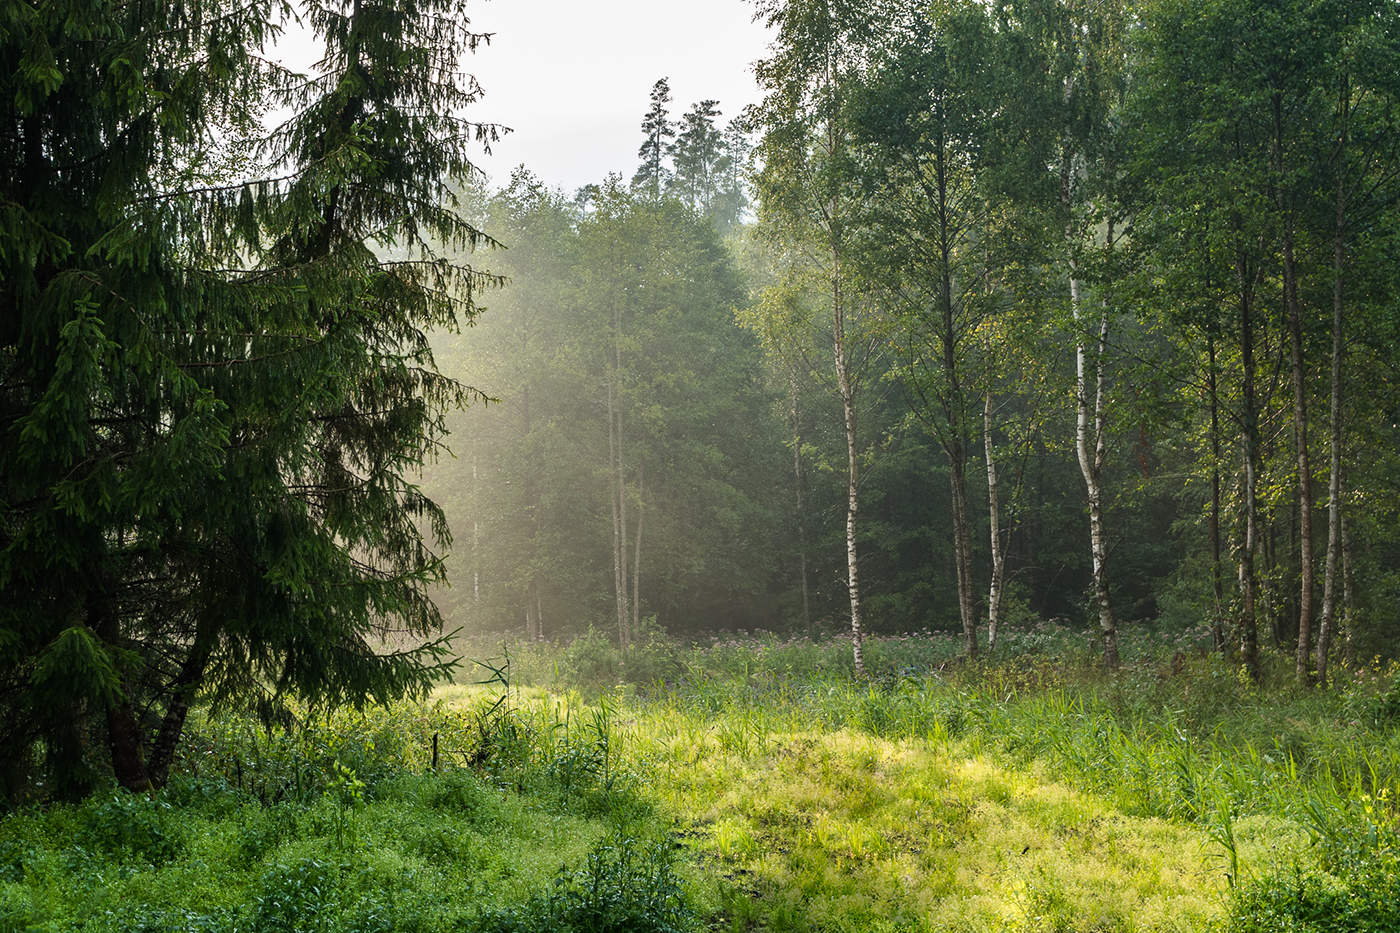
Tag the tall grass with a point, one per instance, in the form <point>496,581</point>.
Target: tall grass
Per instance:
<point>1179,734</point>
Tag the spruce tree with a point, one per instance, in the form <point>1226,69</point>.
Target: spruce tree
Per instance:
<point>214,391</point>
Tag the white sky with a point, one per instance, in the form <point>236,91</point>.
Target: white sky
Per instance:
<point>572,77</point>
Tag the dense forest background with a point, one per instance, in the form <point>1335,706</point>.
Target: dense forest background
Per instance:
<point>1062,310</point>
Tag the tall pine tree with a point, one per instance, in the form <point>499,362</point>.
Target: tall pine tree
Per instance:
<point>652,176</point>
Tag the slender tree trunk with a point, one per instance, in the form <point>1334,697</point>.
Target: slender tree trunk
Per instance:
<point>532,507</point>
<point>1090,448</point>
<point>994,589</point>
<point>798,480</point>
<point>123,731</point>
<point>1334,478</point>
<point>623,612</point>
<point>66,753</point>
<point>956,442</point>
<point>848,411</point>
<point>1249,580</point>
<point>1300,436</point>
<point>1278,609</point>
<point>1294,315</point>
<point>476,530</point>
<point>1348,597</point>
<point>829,203</point>
<point>1334,472</point>
<point>962,552</point>
<point>124,739</point>
<point>1108,625</point>
<point>637,552</point>
<point>1217,580</point>
<point>619,532</point>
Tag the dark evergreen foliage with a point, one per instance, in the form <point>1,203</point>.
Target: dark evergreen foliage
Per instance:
<point>215,385</point>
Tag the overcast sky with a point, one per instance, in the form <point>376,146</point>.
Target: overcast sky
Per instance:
<point>572,78</point>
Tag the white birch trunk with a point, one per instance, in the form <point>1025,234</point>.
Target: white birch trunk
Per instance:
<point>1249,578</point>
<point>994,589</point>
<point>848,411</point>
<point>1090,450</point>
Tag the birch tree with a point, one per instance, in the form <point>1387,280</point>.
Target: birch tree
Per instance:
<point>921,116</point>
<point>805,193</point>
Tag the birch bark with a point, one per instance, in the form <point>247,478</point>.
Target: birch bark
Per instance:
<point>994,589</point>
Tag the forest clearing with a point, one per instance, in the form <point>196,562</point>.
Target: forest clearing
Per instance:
<point>754,785</point>
<point>952,484</point>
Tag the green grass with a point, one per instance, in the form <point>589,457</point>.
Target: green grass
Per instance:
<point>337,826</point>
<point>752,784</point>
<point>1217,791</point>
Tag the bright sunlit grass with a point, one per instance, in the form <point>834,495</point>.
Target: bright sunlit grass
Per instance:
<point>797,826</point>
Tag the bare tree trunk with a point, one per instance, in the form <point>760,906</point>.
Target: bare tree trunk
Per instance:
<point>623,610</point>
<point>1300,436</point>
<point>848,411</point>
<point>962,552</point>
<point>533,629</point>
<point>798,480</point>
<point>1217,626</point>
<point>1348,597</point>
<point>1090,448</point>
<point>1278,610</point>
<point>1334,491</point>
<point>830,205</point>
<point>994,589</point>
<point>619,531</point>
<point>476,531</point>
<point>1249,580</point>
<point>1294,316</point>
<point>1334,472</point>
<point>955,443</point>
<point>182,693</point>
<point>124,740</point>
<point>637,557</point>
<point>123,731</point>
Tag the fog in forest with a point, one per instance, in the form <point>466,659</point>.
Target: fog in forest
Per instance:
<point>943,474</point>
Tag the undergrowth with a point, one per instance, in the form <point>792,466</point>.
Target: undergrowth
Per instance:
<point>1293,792</point>
<point>339,824</point>
<point>752,783</point>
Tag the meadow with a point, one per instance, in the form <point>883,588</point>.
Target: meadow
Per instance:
<point>752,783</point>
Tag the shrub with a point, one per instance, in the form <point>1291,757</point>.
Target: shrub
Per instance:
<point>627,886</point>
<point>591,660</point>
<point>459,791</point>
<point>130,827</point>
<point>148,920</point>
<point>296,898</point>
<point>1311,902</point>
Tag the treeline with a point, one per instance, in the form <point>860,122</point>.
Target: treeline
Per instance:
<point>1067,309</point>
